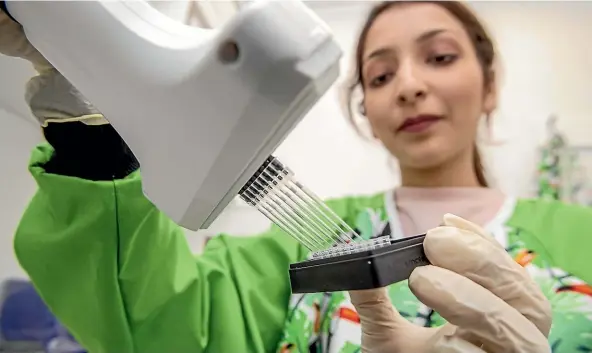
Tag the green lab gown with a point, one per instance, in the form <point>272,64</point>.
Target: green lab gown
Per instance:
<point>120,275</point>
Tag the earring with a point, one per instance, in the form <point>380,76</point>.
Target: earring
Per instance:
<point>489,138</point>
<point>362,109</point>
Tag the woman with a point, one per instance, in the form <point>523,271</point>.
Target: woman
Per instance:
<point>120,275</point>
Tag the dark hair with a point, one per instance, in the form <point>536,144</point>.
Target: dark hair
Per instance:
<point>481,41</point>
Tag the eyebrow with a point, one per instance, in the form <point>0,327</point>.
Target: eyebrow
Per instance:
<point>421,38</point>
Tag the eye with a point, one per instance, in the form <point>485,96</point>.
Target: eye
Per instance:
<point>442,59</point>
<point>380,80</point>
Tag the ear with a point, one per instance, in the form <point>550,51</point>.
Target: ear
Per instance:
<point>490,94</point>
<point>362,112</point>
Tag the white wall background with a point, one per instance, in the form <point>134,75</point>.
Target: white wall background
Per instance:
<point>546,57</point>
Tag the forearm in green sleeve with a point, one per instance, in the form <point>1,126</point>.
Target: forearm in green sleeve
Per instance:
<point>120,275</point>
<point>67,240</point>
<point>67,243</point>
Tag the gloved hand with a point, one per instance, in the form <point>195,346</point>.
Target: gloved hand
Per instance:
<point>50,96</point>
<point>490,302</point>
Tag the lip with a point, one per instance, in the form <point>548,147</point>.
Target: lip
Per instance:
<point>419,123</point>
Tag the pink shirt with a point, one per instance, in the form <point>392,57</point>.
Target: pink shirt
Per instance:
<point>420,209</point>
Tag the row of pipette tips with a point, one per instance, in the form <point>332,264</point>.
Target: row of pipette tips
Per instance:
<point>296,210</point>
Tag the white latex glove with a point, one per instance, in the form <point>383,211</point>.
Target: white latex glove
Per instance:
<point>490,302</point>
<point>49,95</point>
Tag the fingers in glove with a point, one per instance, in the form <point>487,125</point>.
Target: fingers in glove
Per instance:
<point>466,249</point>
<point>384,330</point>
<point>14,42</point>
<point>471,307</point>
<point>455,345</point>
<point>461,223</point>
<point>12,38</point>
<point>375,303</point>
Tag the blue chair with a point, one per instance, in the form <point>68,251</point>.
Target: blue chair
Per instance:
<point>27,325</point>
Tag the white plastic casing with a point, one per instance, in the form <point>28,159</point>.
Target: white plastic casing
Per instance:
<point>199,127</point>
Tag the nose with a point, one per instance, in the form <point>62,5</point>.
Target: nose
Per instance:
<point>411,86</point>
<point>410,96</point>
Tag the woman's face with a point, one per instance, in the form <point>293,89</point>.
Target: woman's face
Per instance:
<point>423,85</point>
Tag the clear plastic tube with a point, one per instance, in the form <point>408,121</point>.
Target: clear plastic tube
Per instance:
<point>276,193</point>
<point>352,248</point>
